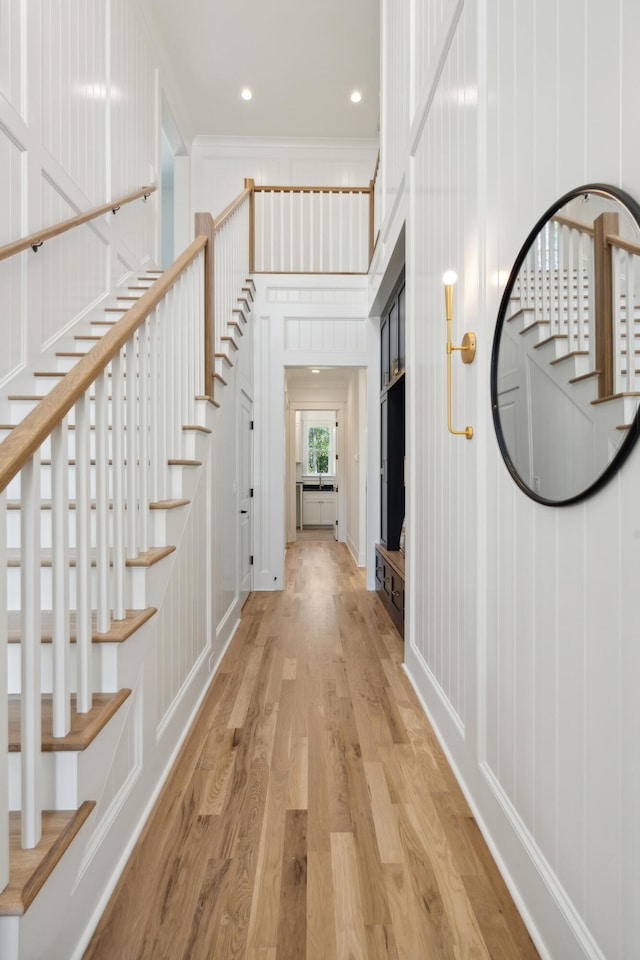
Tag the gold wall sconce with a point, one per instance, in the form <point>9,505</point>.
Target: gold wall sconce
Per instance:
<point>467,349</point>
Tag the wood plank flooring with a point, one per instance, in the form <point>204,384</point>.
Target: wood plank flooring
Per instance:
<point>311,814</point>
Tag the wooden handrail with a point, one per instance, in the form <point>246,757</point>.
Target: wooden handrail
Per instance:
<point>233,206</point>
<point>36,239</point>
<point>623,244</point>
<point>281,189</point>
<point>28,435</point>
<point>573,224</point>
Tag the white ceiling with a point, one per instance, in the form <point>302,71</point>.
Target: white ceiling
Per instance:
<point>301,58</point>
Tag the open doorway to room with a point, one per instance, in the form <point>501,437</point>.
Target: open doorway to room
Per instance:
<point>325,466</point>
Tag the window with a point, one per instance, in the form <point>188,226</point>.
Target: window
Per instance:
<point>318,442</point>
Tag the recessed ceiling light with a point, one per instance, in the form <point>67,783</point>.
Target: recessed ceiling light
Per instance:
<point>356,96</point>
<point>246,94</point>
<point>315,371</point>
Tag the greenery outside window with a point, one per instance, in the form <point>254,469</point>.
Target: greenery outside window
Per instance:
<point>319,453</point>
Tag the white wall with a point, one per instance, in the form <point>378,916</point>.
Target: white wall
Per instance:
<point>220,165</point>
<point>522,639</point>
<point>78,128</point>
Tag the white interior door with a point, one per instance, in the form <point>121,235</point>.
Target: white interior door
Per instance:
<point>246,495</point>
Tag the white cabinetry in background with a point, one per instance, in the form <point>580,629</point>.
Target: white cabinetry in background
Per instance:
<point>319,508</point>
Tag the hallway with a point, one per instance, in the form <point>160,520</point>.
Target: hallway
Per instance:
<point>311,813</point>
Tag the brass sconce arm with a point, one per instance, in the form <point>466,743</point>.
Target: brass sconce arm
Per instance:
<point>467,350</point>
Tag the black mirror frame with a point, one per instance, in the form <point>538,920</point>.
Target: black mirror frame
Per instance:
<point>633,208</point>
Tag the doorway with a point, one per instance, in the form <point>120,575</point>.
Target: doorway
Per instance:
<point>326,453</point>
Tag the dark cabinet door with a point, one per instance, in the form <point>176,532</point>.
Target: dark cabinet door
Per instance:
<point>384,353</point>
<point>394,341</point>
<point>401,328</point>
<point>384,472</point>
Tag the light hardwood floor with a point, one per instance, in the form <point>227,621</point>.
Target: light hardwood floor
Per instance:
<point>311,813</point>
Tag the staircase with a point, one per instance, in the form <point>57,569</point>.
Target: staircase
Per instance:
<point>549,318</point>
<point>108,652</point>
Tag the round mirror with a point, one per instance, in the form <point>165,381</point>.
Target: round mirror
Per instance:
<point>565,366</point>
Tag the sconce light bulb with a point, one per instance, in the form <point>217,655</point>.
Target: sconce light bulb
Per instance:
<point>449,278</point>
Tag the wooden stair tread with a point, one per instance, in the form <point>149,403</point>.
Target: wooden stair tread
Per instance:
<point>230,341</point>
<point>30,869</point>
<point>85,727</point>
<point>225,358</point>
<point>72,504</point>
<point>552,339</point>
<point>168,504</point>
<point>185,463</point>
<point>150,557</point>
<point>585,376</point>
<point>197,427</point>
<point>242,316</point>
<point>567,356</point>
<point>120,630</point>
<point>616,396</point>
<point>234,323</point>
<point>220,379</point>
<point>146,559</point>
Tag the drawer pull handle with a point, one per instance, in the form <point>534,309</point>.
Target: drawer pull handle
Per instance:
<point>396,593</point>
<point>387,579</point>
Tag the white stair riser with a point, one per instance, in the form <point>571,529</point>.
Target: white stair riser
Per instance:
<point>104,663</point>
<point>137,587</point>
<point>59,781</point>
<point>14,488</point>
<point>19,408</point>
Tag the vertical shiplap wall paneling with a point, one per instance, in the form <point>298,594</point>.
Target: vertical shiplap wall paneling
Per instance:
<point>76,131</point>
<point>395,103</point>
<point>443,187</point>
<point>561,630</point>
<point>558,757</point>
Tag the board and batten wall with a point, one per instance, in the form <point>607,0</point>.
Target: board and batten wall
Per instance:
<point>522,635</point>
<point>78,128</point>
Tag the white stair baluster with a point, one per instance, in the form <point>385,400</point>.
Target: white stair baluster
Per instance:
<point>118,518</point>
<point>103,602</point>
<point>131,447</point>
<point>31,726</point>
<point>60,579</point>
<point>144,435</point>
<point>4,724</point>
<point>83,556</point>
<point>154,404</point>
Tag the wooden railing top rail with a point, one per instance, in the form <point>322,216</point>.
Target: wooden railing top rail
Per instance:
<point>28,435</point>
<point>36,239</point>
<point>280,189</point>
<point>613,239</point>
<point>233,206</point>
<point>623,243</point>
<point>574,224</point>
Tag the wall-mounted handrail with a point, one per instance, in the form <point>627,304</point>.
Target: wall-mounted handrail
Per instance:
<point>30,433</point>
<point>35,240</point>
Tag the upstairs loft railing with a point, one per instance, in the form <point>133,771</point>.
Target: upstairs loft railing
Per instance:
<point>583,281</point>
<point>313,229</point>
